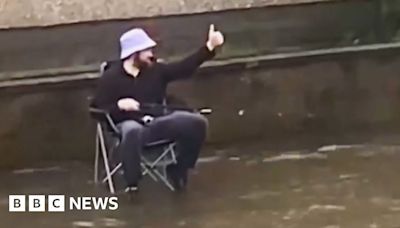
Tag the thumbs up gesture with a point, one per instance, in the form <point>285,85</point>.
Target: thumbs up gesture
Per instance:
<point>215,38</point>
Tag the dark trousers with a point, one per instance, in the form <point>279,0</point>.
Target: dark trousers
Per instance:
<point>187,129</point>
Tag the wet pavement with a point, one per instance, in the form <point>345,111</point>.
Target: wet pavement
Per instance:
<point>335,186</point>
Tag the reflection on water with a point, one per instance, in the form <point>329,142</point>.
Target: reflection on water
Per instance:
<point>345,187</point>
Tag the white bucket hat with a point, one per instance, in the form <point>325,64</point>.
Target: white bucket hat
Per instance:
<point>133,41</point>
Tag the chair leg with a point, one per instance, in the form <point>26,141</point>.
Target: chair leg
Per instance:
<point>112,172</point>
<point>96,159</point>
<point>146,170</point>
<point>159,172</point>
<point>172,150</point>
<point>105,159</point>
<point>164,179</point>
<point>161,157</point>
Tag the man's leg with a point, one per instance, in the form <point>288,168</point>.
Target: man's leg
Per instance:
<point>188,130</point>
<point>130,149</point>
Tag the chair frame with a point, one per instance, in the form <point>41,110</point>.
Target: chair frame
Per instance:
<point>155,168</point>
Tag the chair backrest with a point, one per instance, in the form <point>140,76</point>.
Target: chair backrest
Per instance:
<point>102,116</point>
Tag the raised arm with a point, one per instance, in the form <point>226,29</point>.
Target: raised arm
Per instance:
<point>186,67</point>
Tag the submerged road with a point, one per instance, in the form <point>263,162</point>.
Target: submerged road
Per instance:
<point>337,186</point>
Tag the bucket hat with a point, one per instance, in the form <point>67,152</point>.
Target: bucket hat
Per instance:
<point>135,40</point>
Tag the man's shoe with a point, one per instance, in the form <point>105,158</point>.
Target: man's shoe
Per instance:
<point>131,191</point>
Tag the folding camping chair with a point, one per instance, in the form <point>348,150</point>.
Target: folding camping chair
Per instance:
<point>155,157</point>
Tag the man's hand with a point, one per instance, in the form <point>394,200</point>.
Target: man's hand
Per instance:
<point>128,104</point>
<point>215,38</point>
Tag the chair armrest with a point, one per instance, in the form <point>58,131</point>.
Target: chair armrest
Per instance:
<point>103,116</point>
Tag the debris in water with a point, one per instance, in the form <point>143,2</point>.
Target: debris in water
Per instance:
<point>283,157</point>
<point>259,195</point>
<point>209,159</point>
<point>326,207</point>
<point>327,148</point>
<point>206,111</point>
<point>79,224</point>
<point>241,112</point>
<point>337,147</point>
<point>289,215</point>
<point>111,222</point>
<point>234,158</point>
<point>251,163</point>
<point>33,170</point>
<point>348,176</point>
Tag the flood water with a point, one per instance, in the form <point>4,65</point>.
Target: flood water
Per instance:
<point>337,186</point>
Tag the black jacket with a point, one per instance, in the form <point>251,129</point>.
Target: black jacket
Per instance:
<point>149,87</point>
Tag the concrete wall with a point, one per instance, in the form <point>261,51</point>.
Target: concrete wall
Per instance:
<point>24,13</point>
<point>282,100</point>
<point>248,32</point>
<point>329,95</point>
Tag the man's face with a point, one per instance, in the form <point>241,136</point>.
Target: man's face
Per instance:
<point>144,59</point>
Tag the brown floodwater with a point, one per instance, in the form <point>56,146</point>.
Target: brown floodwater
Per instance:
<point>343,186</point>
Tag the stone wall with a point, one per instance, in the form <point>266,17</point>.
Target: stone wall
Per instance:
<point>281,100</point>
<point>249,32</point>
<point>23,13</point>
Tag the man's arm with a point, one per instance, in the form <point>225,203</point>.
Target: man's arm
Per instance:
<point>186,67</point>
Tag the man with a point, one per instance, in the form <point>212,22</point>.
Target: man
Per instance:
<point>138,79</point>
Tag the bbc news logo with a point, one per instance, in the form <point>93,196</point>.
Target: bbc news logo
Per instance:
<point>59,203</point>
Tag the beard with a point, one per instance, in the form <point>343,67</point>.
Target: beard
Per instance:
<point>143,64</point>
